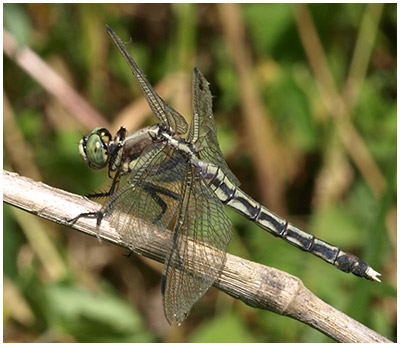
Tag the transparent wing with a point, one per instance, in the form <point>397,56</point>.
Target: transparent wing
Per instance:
<point>165,113</point>
<point>198,249</point>
<point>149,198</point>
<point>203,130</point>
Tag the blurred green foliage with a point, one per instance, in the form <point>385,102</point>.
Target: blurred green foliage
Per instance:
<point>99,295</point>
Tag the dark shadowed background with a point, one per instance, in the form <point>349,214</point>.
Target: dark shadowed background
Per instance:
<point>305,104</point>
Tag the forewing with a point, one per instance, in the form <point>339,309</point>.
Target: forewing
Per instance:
<point>147,200</point>
<point>165,113</point>
<point>198,250</point>
<point>203,130</point>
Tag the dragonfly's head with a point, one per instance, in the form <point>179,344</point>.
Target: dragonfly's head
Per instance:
<point>94,148</point>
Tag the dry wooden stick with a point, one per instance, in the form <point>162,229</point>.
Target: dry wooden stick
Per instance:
<point>255,284</point>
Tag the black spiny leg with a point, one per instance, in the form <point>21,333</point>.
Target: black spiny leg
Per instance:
<point>92,215</point>
<point>161,203</point>
<point>113,188</point>
<point>98,195</point>
<point>98,215</point>
<point>153,191</point>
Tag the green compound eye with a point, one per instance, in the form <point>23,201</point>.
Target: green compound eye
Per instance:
<point>94,148</point>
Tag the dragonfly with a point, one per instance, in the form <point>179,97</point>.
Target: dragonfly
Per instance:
<point>182,182</point>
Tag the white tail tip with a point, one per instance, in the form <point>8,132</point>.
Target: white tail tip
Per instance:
<point>373,274</point>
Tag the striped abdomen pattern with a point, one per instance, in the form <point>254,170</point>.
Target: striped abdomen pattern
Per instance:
<point>235,198</point>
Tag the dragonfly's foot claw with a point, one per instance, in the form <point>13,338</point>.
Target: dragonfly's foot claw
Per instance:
<point>73,220</point>
<point>129,254</point>
<point>98,237</point>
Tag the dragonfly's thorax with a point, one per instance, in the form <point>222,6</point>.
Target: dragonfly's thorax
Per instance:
<point>165,134</point>
<point>133,147</point>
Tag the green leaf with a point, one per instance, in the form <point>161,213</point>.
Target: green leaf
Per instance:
<point>93,317</point>
<point>226,328</point>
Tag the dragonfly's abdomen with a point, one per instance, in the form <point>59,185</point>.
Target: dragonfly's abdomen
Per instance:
<point>232,196</point>
<point>275,224</point>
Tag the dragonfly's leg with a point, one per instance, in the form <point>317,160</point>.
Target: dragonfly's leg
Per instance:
<point>129,254</point>
<point>98,215</point>
<point>162,205</point>
<point>153,191</point>
<point>92,215</point>
<point>110,192</point>
<point>98,195</point>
